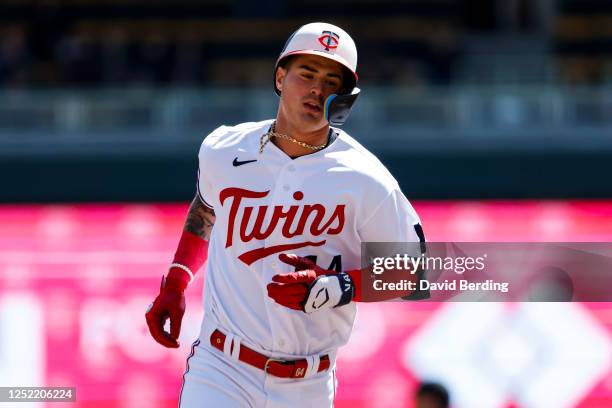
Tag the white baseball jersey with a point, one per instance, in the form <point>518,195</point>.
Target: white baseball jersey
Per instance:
<point>322,204</point>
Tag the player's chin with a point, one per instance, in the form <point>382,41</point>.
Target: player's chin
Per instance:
<point>311,120</point>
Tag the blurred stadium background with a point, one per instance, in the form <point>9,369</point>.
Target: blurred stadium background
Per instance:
<point>494,115</point>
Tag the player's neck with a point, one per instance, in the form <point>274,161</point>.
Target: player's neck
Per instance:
<point>318,137</point>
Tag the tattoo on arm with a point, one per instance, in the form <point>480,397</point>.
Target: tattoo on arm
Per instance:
<point>200,219</point>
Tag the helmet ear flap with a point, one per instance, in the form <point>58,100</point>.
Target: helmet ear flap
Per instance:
<point>338,107</point>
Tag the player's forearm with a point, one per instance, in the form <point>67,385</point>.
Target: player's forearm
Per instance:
<point>371,287</point>
<point>192,250</point>
<point>200,219</point>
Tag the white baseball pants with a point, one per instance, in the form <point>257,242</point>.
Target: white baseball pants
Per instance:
<point>214,379</point>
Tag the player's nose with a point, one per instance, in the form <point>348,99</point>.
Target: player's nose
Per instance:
<point>317,88</point>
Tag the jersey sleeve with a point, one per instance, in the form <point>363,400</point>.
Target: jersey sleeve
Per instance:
<point>204,188</point>
<point>204,185</point>
<point>393,220</point>
<point>393,228</point>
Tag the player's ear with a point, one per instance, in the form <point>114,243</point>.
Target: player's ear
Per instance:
<point>281,73</point>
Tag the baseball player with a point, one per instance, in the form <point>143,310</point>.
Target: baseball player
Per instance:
<point>281,209</point>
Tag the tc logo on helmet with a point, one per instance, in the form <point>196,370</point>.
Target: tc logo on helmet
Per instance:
<point>329,40</point>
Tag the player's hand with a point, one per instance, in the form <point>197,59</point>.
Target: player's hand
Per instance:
<point>310,287</point>
<point>169,304</point>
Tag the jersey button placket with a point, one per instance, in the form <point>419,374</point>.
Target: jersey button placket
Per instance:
<point>284,181</point>
<point>279,196</point>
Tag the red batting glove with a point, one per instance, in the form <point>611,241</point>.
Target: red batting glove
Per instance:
<point>295,290</point>
<point>291,289</point>
<point>191,253</point>
<point>169,304</point>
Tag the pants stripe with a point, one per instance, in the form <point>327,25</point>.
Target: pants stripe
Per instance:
<point>193,346</point>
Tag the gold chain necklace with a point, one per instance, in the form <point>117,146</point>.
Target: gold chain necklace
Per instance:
<point>272,133</point>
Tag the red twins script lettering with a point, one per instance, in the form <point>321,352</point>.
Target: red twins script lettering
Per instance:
<point>308,216</point>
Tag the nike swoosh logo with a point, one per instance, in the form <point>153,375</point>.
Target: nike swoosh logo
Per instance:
<point>237,163</point>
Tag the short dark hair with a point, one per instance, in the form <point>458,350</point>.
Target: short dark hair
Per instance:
<point>436,391</point>
<point>286,62</point>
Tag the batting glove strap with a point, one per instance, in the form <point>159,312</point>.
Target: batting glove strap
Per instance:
<point>329,291</point>
<point>347,287</point>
